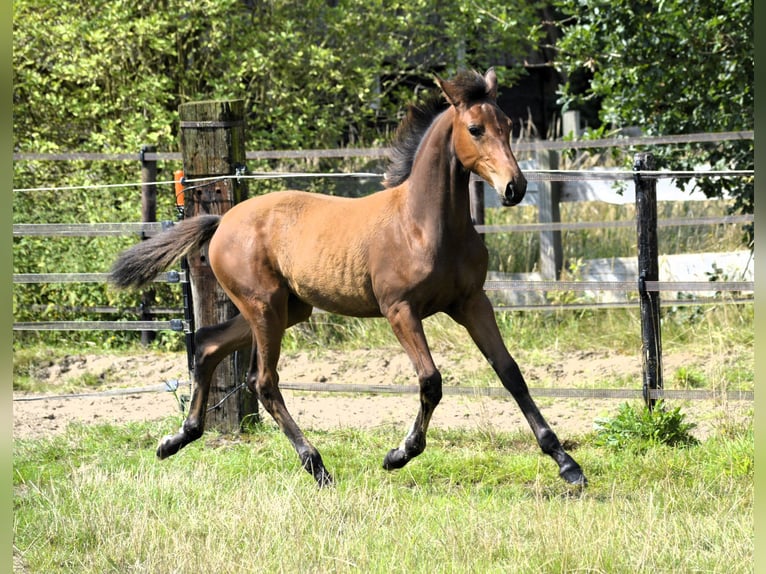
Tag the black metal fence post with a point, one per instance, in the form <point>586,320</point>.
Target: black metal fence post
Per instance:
<point>648,270</point>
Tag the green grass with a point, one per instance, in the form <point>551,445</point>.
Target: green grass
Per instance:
<point>96,500</point>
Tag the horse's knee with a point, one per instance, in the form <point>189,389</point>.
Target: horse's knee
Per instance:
<point>206,357</point>
<point>251,380</point>
<point>214,343</point>
<point>431,388</point>
<point>265,387</point>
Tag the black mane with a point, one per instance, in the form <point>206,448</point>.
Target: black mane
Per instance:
<point>467,86</point>
<point>407,139</point>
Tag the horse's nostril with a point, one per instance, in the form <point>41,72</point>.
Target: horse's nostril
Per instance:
<point>521,185</point>
<point>509,197</point>
<point>514,192</point>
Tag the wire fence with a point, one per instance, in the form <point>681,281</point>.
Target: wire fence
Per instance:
<point>734,288</point>
<point>530,175</point>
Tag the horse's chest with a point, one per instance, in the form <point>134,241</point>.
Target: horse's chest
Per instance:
<point>433,277</point>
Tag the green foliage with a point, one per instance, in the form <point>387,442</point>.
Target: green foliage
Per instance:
<point>641,428</point>
<point>102,76</point>
<point>672,67</point>
<point>313,73</point>
<point>688,378</point>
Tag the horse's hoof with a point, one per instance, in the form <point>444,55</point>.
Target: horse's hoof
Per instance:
<point>168,446</point>
<point>395,459</point>
<point>573,474</point>
<point>324,479</point>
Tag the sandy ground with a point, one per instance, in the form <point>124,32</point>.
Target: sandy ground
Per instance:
<point>46,414</point>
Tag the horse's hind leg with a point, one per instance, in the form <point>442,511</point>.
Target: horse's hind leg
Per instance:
<point>408,328</point>
<point>478,317</point>
<point>212,345</point>
<point>269,321</point>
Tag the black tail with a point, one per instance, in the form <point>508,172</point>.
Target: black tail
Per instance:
<point>141,263</point>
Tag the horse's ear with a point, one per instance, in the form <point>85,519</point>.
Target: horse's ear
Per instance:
<point>491,78</point>
<point>446,88</point>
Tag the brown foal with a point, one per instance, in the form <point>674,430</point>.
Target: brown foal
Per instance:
<point>403,253</point>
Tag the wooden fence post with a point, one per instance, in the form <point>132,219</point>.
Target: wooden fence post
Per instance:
<point>148,215</point>
<point>648,270</point>
<point>213,144</point>
<point>551,252</point>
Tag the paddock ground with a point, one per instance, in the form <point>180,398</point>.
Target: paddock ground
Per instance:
<point>568,416</point>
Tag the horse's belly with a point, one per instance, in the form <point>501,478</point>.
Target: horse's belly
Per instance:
<point>342,301</point>
<point>335,286</point>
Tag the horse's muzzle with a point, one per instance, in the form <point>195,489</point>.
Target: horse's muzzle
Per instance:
<point>514,191</point>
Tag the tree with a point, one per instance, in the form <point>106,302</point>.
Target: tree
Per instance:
<point>109,75</point>
<point>316,73</point>
<point>669,67</point>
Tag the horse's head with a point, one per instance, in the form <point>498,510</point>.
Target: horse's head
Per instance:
<point>481,133</point>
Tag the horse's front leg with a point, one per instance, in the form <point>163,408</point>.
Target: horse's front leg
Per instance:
<point>478,317</point>
<point>268,321</point>
<point>408,328</point>
<point>212,345</point>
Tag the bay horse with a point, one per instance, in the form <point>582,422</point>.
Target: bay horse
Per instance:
<point>404,253</point>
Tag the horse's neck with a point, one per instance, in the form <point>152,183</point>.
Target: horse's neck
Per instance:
<point>438,185</point>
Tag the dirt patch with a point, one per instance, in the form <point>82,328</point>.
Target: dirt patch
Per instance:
<point>46,414</point>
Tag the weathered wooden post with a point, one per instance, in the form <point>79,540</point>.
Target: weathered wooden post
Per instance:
<point>148,215</point>
<point>551,252</point>
<point>648,270</point>
<point>213,146</point>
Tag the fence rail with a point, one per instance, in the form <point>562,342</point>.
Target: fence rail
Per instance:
<point>496,392</point>
<point>165,277</point>
<point>149,229</point>
<point>146,229</point>
<point>177,325</point>
<point>545,176</point>
<point>383,152</point>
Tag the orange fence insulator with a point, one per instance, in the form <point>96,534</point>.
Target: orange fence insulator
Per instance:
<point>178,176</point>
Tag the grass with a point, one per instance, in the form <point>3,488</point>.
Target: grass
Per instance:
<point>518,252</point>
<point>96,500</point>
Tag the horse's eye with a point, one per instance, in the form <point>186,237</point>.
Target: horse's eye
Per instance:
<point>476,131</point>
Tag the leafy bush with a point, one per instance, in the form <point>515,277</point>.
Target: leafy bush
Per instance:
<point>638,429</point>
